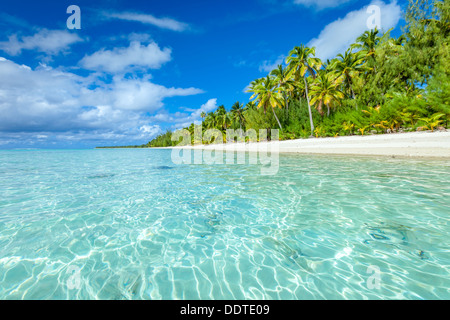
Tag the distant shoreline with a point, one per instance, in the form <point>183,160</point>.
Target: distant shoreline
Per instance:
<point>412,144</point>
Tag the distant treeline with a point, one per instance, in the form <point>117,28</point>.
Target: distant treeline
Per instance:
<point>123,147</point>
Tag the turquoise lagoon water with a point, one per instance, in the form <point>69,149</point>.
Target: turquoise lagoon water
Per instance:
<point>129,224</point>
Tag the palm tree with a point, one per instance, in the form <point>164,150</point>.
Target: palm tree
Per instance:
<point>268,95</point>
<point>237,113</point>
<point>251,105</point>
<point>399,41</point>
<point>368,41</point>
<point>324,90</point>
<point>254,84</point>
<point>222,118</point>
<point>301,61</point>
<point>300,90</point>
<point>285,82</point>
<point>221,110</point>
<point>210,120</point>
<point>349,66</point>
<point>203,115</point>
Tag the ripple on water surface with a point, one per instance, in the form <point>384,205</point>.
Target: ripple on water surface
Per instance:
<point>129,224</point>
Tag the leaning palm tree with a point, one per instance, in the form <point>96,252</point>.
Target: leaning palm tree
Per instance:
<point>325,90</point>
<point>268,95</point>
<point>254,84</point>
<point>301,62</point>
<point>349,66</point>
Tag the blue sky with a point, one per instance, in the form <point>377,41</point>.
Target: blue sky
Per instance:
<point>138,68</point>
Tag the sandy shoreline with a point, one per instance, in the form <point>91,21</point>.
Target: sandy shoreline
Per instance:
<point>411,144</point>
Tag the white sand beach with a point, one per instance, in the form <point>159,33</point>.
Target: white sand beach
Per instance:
<point>412,144</point>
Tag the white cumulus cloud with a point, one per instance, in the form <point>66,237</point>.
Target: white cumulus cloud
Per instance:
<point>51,42</point>
<point>29,104</point>
<point>150,130</point>
<point>337,36</point>
<point>184,119</point>
<point>126,59</point>
<point>268,66</point>
<point>138,94</point>
<point>321,4</point>
<point>164,23</point>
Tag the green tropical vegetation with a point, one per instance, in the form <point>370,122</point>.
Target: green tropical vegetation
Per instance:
<point>381,84</point>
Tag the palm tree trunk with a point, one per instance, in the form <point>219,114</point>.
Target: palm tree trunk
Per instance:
<point>319,107</point>
<point>354,97</point>
<point>276,117</point>
<point>309,107</point>
<point>328,107</point>
<point>287,107</point>
<point>351,88</point>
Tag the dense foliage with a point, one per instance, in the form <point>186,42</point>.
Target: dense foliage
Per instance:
<point>380,84</point>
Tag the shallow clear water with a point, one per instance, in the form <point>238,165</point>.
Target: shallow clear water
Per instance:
<point>129,224</point>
